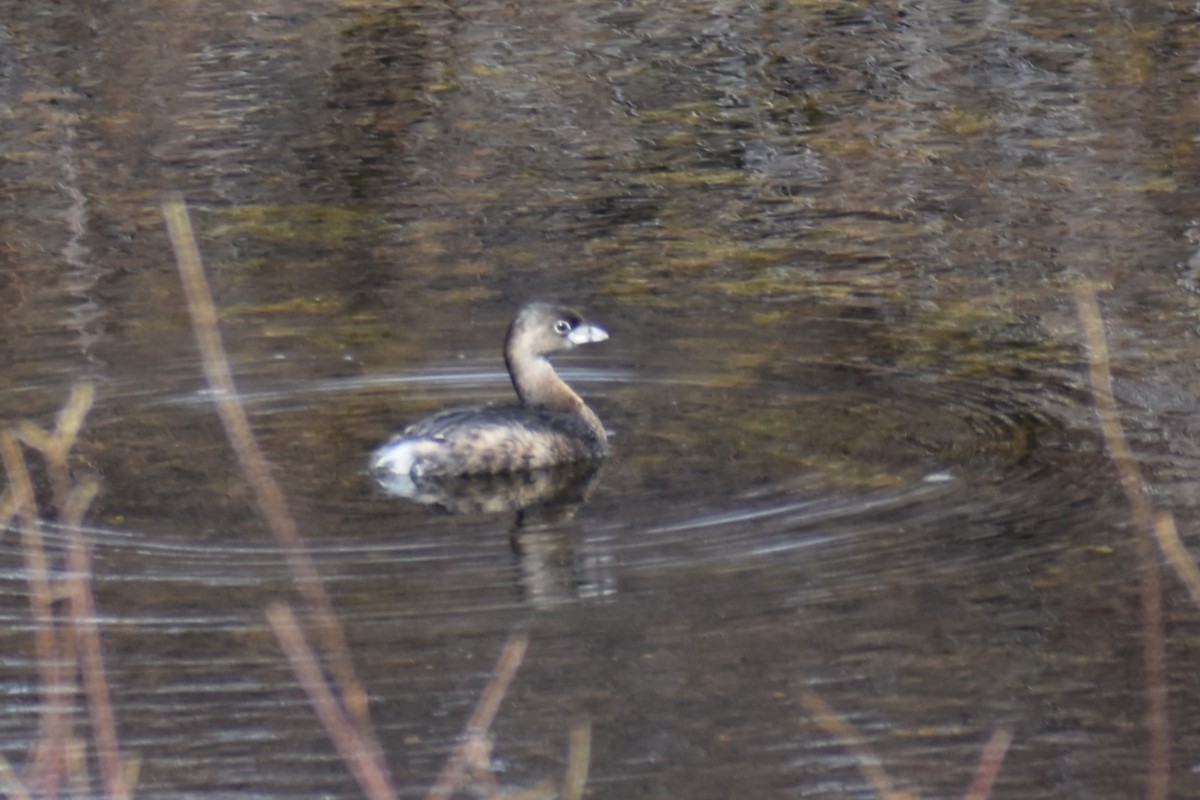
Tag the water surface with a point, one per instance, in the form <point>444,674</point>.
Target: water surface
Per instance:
<point>854,446</point>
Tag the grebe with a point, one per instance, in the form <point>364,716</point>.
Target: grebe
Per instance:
<point>552,426</point>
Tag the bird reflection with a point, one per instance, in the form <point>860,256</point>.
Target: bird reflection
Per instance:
<point>551,565</point>
<point>491,494</point>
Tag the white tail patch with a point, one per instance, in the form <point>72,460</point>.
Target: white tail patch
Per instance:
<point>399,456</point>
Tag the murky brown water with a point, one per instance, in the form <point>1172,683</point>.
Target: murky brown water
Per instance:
<point>855,453</point>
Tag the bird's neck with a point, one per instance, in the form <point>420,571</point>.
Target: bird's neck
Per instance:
<point>538,385</point>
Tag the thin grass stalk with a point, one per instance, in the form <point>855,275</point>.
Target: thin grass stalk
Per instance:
<point>89,651</point>
<point>8,509</point>
<point>375,783</point>
<point>67,425</point>
<point>476,731</point>
<point>269,496</point>
<point>72,501</point>
<point>1154,657</point>
<point>59,755</point>
<point>10,782</point>
<point>54,683</point>
<point>579,757</point>
<point>55,446</point>
<point>1173,547</point>
<point>869,765</point>
<point>478,772</point>
<point>990,762</point>
<point>79,777</point>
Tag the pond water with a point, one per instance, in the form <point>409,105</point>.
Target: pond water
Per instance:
<point>855,450</point>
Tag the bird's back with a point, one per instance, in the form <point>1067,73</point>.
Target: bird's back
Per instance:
<point>490,440</point>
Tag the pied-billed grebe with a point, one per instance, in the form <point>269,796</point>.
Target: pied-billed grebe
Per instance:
<point>552,425</point>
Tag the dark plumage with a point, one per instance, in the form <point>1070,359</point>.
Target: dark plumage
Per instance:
<point>551,426</point>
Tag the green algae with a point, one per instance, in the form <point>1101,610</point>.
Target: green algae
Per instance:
<point>304,223</point>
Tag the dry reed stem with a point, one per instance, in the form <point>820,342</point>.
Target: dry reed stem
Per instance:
<point>72,503</point>
<point>55,446</point>
<point>1153,647</point>
<point>989,766</point>
<point>579,757</point>
<point>67,425</point>
<point>476,731</point>
<point>59,755</point>
<point>89,652</point>
<point>1172,546</point>
<point>375,783</point>
<point>10,782</point>
<point>69,421</point>
<point>54,683</point>
<point>131,768</point>
<point>77,770</point>
<point>33,435</point>
<point>869,765</point>
<point>269,496</point>
<point>8,509</point>
<point>477,758</point>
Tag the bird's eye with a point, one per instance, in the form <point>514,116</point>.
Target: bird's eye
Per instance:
<point>563,327</point>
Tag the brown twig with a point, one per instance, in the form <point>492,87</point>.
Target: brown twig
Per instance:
<point>269,496</point>
<point>1153,647</point>
<point>989,766</point>
<point>477,727</point>
<point>375,783</point>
